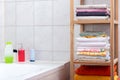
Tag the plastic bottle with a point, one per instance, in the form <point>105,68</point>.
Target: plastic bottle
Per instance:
<point>21,55</point>
<point>8,53</point>
<point>32,55</point>
<point>15,55</point>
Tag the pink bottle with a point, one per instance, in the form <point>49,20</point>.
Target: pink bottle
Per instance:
<point>21,55</point>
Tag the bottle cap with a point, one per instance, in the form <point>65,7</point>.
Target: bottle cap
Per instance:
<point>8,43</point>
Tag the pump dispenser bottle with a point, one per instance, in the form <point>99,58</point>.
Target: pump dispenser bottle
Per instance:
<point>21,54</point>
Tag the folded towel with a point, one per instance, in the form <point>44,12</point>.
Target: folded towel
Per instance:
<point>79,77</point>
<point>92,10</point>
<point>92,6</point>
<point>104,53</point>
<point>91,50</point>
<point>96,39</point>
<point>107,47</point>
<point>92,44</point>
<point>94,70</point>
<point>92,14</point>
<point>92,17</point>
<point>93,34</point>
<point>92,58</point>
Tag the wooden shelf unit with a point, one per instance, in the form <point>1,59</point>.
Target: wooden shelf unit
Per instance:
<point>113,21</point>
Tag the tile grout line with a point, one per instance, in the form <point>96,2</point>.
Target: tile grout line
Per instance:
<point>15,24</point>
<point>33,24</point>
<point>52,30</point>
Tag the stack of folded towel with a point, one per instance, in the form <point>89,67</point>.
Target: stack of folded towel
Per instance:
<point>93,46</point>
<point>92,12</point>
<point>85,72</point>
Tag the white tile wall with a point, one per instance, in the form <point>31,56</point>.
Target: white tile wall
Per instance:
<point>43,12</point>
<point>61,56</point>
<point>25,36</point>
<point>44,55</point>
<point>61,38</point>
<point>1,42</point>
<point>1,30</point>
<point>16,0</point>
<point>43,38</point>
<point>24,13</point>
<point>9,0</point>
<point>61,12</point>
<point>1,14</point>
<point>89,2</point>
<point>100,2</point>
<point>42,25</point>
<point>10,35</point>
<point>10,13</point>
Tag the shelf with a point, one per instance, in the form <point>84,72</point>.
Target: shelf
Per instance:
<point>95,21</point>
<point>116,22</point>
<point>102,63</point>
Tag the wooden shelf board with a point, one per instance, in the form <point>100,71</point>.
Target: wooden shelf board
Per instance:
<point>116,22</point>
<point>95,21</point>
<point>102,63</point>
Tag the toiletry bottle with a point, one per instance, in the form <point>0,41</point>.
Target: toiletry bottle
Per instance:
<point>32,55</point>
<point>15,55</point>
<point>8,53</point>
<point>21,55</point>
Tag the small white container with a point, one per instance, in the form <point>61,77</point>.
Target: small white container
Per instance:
<point>32,55</point>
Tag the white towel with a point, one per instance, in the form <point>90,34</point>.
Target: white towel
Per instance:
<point>93,6</point>
<point>92,17</point>
<point>97,39</point>
<point>107,47</point>
<point>92,44</point>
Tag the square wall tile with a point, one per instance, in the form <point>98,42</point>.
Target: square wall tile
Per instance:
<point>61,38</point>
<point>61,56</point>
<point>61,14</point>
<point>43,55</point>
<point>24,0</point>
<point>25,36</point>
<point>9,0</point>
<point>100,2</point>
<point>43,12</point>
<point>10,35</point>
<point>10,13</point>
<point>27,55</point>
<point>24,13</point>
<point>2,15</point>
<point>88,2</point>
<point>43,38</point>
<point>76,2</point>
<point>1,43</point>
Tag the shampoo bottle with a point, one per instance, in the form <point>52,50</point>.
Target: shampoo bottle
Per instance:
<point>32,55</point>
<point>8,53</point>
<point>21,55</point>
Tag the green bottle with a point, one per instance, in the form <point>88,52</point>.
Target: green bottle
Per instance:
<point>8,53</point>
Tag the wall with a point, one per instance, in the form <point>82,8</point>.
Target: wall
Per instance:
<point>42,25</point>
<point>39,24</point>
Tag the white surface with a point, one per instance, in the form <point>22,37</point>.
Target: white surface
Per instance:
<point>22,71</point>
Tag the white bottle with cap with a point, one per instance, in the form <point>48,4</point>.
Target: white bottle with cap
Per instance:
<point>32,55</point>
